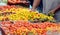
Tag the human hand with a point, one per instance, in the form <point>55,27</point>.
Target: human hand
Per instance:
<point>32,10</point>
<point>58,6</point>
<point>53,11</point>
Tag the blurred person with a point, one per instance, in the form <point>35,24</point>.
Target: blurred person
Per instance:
<point>48,5</point>
<point>51,5</point>
<point>56,12</point>
<point>36,5</point>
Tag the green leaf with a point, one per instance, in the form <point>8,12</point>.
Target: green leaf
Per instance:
<point>24,33</point>
<point>30,33</point>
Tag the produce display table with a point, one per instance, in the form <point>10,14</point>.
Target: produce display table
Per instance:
<point>20,21</point>
<point>28,28</point>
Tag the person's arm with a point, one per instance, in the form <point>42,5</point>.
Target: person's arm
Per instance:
<point>54,10</point>
<point>35,4</point>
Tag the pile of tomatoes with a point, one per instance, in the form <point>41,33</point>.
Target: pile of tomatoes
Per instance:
<point>27,28</point>
<point>17,1</point>
<point>3,8</point>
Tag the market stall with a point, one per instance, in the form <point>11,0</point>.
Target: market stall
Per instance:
<point>18,20</point>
